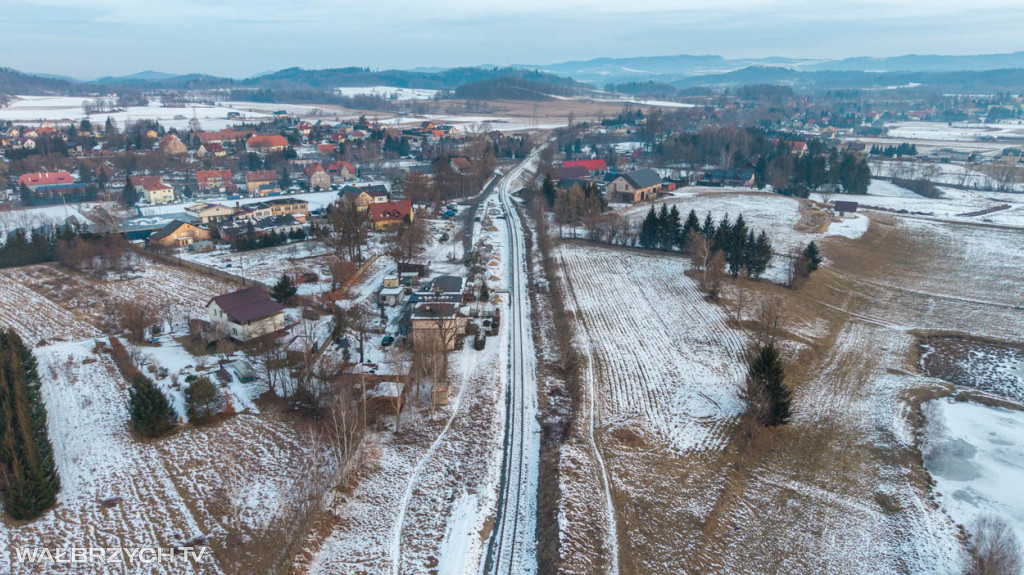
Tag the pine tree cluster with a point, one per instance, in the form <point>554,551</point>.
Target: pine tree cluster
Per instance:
<point>890,151</point>
<point>745,251</point>
<point>284,290</point>
<point>253,241</point>
<point>30,479</point>
<point>773,399</point>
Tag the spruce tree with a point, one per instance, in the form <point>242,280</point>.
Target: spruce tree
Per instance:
<point>673,230</point>
<point>761,173</point>
<point>548,189</point>
<point>129,195</point>
<point>735,246</point>
<point>762,256</point>
<point>284,290</point>
<point>649,230</point>
<point>31,479</point>
<point>663,229</point>
<point>151,413</point>
<point>723,235</point>
<point>812,255</point>
<point>708,229</point>
<point>766,369</point>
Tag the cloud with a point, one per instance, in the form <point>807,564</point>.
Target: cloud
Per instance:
<point>235,37</point>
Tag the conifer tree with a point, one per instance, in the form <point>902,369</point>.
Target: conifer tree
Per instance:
<point>129,195</point>
<point>761,173</point>
<point>548,189</point>
<point>735,245</point>
<point>31,481</point>
<point>766,370</point>
<point>151,413</point>
<point>708,229</point>
<point>649,230</point>
<point>761,257</point>
<point>723,235</point>
<point>673,233</point>
<point>812,255</point>
<point>663,231</point>
<point>284,290</point>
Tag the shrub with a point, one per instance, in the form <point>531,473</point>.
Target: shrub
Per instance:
<point>202,400</point>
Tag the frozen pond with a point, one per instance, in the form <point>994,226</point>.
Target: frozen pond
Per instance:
<point>975,454</point>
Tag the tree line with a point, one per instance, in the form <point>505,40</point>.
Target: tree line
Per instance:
<point>743,250</point>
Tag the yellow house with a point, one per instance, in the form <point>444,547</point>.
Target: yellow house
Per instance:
<point>210,212</point>
<point>180,234</point>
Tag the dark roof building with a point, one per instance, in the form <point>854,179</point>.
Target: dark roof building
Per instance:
<point>247,305</point>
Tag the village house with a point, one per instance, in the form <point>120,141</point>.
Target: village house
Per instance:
<point>266,144</point>
<point>593,167</point>
<point>246,314</point>
<point>633,187</point>
<point>213,181</point>
<point>222,136</point>
<point>154,189</point>
<point>180,234</point>
<point>390,214</point>
<point>437,323</point>
<point>261,182</point>
<point>242,227</point>
<point>171,145</point>
<point>211,150</point>
<point>40,182</point>
<point>210,213</point>
<point>299,209</point>
<point>341,170</point>
<point>319,179</point>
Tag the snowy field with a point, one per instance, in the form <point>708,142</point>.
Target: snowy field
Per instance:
<point>37,109</point>
<point>955,132</point>
<point>976,455</point>
<point>665,359</point>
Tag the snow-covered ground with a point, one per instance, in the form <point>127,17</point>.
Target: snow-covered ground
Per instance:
<point>975,453</point>
<point>954,132</point>
<point>388,92</point>
<point>37,109</point>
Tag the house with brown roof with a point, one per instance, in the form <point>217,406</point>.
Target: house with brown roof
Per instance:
<point>154,189</point>
<point>341,170</point>
<point>213,181</point>
<point>266,144</point>
<point>390,214</point>
<point>246,314</point>
<point>180,234</point>
<point>211,150</point>
<point>634,186</point>
<point>171,145</point>
<point>261,182</point>
<point>318,178</point>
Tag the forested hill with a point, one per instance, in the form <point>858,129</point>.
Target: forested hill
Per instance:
<point>15,82</point>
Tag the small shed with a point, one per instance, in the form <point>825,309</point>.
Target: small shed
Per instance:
<point>843,207</point>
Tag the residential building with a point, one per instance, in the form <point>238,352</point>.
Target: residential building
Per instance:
<point>633,187</point>
<point>154,189</point>
<point>38,181</point>
<point>592,166</point>
<point>262,182</point>
<point>246,314</point>
<point>389,214</point>
<point>341,170</point>
<point>180,234</point>
<point>299,209</point>
<point>211,150</point>
<point>210,213</point>
<point>266,144</point>
<point>319,179</point>
<point>171,145</point>
<point>213,181</point>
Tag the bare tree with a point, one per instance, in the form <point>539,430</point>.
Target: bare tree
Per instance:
<point>406,242</point>
<point>996,550</point>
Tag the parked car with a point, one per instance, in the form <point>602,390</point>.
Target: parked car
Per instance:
<point>388,340</point>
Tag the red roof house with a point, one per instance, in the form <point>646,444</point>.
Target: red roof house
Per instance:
<point>386,214</point>
<point>37,179</point>
<point>590,165</point>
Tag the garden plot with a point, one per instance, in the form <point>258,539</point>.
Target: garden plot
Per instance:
<point>265,265</point>
<point>177,294</point>
<point>119,492</point>
<point>34,316</point>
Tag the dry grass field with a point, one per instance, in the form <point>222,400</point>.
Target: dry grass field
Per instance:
<point>841,489</point>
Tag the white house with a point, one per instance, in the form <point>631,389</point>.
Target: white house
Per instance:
<point>246,314</point>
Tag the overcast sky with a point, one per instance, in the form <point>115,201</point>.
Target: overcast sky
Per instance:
<point>239,38</point>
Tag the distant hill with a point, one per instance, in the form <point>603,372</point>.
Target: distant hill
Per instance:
<point>14,82</point>
<point>145,76</point>
<point>665,69</point>
<point>982,81</point>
